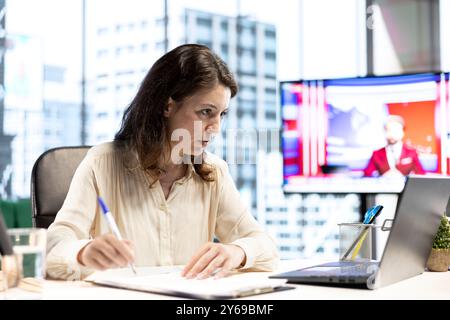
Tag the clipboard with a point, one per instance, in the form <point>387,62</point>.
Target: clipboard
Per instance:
<point>168,281</point>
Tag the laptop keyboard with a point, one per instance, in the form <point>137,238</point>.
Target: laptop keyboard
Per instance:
<point>340,269</point>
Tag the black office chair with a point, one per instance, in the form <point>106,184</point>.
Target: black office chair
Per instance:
<point>50,180</point>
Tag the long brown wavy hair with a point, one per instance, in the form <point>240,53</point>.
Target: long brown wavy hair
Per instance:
<point>178,74</point>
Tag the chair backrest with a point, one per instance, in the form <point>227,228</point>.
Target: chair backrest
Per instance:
<point>50,180</point>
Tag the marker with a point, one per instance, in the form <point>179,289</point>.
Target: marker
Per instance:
<point>112,224</point>
<point>369,218</point>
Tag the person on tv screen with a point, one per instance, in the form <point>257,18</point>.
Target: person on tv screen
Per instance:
<point>396,158</point>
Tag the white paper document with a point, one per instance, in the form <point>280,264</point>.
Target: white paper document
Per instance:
<point>168,281</point>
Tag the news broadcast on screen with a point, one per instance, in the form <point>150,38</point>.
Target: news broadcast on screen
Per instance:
<point>331,129</point>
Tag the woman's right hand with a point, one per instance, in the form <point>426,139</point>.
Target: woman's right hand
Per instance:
<point>106,252</point>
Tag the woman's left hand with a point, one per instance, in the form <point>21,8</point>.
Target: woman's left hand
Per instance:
<point>213,256</point>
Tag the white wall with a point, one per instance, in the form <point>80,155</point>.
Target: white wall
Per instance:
<point>406,37</point>
<point>330,39</point>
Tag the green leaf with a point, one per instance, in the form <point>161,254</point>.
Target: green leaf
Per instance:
<point>442,238</point>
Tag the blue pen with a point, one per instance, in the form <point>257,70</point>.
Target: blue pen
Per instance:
<point>112,224</point>
<point>371,214</point>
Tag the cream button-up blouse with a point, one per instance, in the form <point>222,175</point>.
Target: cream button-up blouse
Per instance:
<point>163,231</point>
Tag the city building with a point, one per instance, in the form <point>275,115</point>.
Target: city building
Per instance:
<point>42,87</point>
<point>41,110</point>
<point>5,140</point>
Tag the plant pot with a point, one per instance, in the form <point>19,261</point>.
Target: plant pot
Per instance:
<point>439,260</point>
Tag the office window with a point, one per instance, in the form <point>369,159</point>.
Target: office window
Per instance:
<point>248,171</point>
<point>269,33</point>
<point>54,73</point>
<point>270,43</point>
<point>270,55</point>
<point>270,67</point>
<point>204,22</point>
<point>160,46</point>
<point>205,43</point>
<point>102,31</point>
<point>271,114</point>
<point>247,121</point>
<point>224,32</point>
<point>102,137</point>
<point>270,93</point>
<point>247,62</point>
<point>101,53</point>
<point>124,72</point>
<point>270,97</point>
<point>224,52</point>
<point>247,34</point>
<point>249,113</point>
<point>248,93</point>
<point>138,22</point>
<point>270,70</point>
<point>204,34</point>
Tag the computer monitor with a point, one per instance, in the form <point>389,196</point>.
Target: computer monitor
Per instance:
<point>331,127</point>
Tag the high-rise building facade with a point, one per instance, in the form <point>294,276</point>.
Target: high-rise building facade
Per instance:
<point>23,108</point>
<point>42,86</point>
<point>41,111</point>
<point>5,139</point>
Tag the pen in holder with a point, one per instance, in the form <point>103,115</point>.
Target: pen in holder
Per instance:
<point>356,240</point>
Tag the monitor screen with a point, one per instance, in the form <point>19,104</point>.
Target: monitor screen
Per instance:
<point>335,132</point>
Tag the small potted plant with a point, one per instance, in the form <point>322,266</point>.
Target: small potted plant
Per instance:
<point>439,259</point>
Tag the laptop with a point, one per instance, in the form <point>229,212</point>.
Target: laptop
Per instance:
<point>419,210</point>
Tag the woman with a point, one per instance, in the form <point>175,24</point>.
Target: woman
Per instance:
<point>168,207</point>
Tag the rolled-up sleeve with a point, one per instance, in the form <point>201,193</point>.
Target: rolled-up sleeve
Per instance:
<point>71,229</point>
<point>235,225</point>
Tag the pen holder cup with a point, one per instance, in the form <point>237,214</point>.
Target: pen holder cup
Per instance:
<point>356,240</point>
<point>23,272</point>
